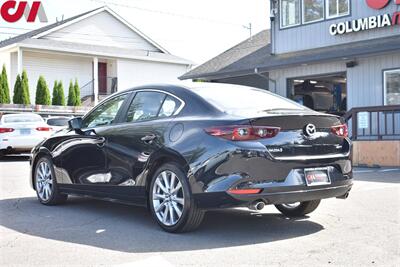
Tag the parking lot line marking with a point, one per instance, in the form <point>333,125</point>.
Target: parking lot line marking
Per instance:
<point>390,170</point>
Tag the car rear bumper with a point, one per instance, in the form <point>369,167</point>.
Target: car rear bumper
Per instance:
<point>279,182</point>
<point>20,143</point>
<point>276,195</point>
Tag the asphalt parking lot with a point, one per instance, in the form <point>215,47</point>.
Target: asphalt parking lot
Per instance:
<point>363,230</point>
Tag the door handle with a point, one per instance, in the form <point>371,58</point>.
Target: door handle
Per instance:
<point>99,141</point>
<point>149,138</point>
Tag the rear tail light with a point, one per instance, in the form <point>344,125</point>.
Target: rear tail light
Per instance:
<point>247,191</point>
<point>6,130</point>
<point>340,130</point>
<point>43,129</point>
<point>243,132</point>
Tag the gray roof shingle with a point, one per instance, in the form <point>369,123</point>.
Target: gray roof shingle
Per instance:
<point>230,56</point>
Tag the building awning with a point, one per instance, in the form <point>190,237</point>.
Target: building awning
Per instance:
<point>263,61</point>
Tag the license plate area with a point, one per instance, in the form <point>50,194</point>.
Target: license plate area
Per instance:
<point>25,131</point>
<point>317,176</point>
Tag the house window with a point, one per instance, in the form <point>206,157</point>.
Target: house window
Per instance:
<point>313,10</point>
<point>392,87</point>
<point>337,8</point>
<point>290,13</point>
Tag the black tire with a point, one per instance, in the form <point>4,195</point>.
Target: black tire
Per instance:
<point>191,217</point>
<point>300,210</point>
<point>56,198</point>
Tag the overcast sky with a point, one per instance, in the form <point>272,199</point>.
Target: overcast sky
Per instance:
<point>194,29</point>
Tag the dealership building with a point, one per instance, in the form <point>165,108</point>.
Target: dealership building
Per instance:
<point>334,56</point>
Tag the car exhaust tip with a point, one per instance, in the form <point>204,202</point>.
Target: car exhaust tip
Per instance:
<point>345,196</point>
<point>257,205</point>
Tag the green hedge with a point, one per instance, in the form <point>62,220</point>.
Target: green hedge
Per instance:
<point>21,90</point>
<point>42,92</point>
<point>58,94</point>
<point>4,88</point>
<point>77,93</point>
<point>71,95</point>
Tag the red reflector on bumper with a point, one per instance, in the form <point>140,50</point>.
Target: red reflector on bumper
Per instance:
<point>244,191</point>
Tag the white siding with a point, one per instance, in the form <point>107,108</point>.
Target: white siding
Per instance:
<point>13,71</point>
<point>56,67</point>
<point>104,29</point>
<point>132,73</point>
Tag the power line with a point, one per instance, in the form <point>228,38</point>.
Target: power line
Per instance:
<point>166,13</point>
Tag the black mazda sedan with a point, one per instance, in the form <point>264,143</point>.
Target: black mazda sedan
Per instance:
<point>183,150</point>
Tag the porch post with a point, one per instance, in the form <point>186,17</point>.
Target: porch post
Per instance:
<point>20,68</point>
<point>96,80</point>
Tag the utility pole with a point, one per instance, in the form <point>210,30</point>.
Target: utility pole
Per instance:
<point>249,28</point>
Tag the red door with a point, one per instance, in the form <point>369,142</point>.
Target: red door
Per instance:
<point>102,78</point>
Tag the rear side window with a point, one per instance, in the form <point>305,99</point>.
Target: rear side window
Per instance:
<point>169,107</point>
<point>58,122</point>
<point>145,106</point>
<point>242,100</point>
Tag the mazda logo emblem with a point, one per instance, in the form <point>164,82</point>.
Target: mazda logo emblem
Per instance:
<point>310,130</point>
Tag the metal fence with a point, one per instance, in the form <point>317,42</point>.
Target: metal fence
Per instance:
<point>374,123</point>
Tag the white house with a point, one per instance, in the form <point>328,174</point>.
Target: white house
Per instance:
<point>99,48</point>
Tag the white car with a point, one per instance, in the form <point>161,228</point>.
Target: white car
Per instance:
<point>19,133</point>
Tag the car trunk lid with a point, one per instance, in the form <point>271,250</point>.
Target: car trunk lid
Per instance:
<point>304,135</point>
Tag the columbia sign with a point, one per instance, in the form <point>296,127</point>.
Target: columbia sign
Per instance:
<point>369,23</point>
<point>13,11</point>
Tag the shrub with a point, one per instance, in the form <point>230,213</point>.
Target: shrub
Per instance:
<point>20,96</point>
<point>4,88</point>
<point>61,95</point>
<point>25,88</point>
<point>17,98</point>
<point>42,92</point>
<point>77,93</point>
<point>71,95</point>
<point>55,94</point>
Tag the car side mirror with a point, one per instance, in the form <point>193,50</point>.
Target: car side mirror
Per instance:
<point>75,124</point>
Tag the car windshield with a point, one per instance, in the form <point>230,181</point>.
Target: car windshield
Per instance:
<point>58,122</point>
<point>242,100</point>
<point>23,118</point>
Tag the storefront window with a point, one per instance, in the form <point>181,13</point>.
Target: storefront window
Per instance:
<point>290,13</point>
<point>392,87</point>
<point>313,10</point>
<point>337,8</point>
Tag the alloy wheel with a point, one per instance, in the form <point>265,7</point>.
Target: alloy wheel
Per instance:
<point>168,198</point>
<point>44,181</point>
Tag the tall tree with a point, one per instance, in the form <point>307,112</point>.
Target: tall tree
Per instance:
<point>61,94</point>
<point>4,88</point>
<point>18,91</point>
<point>77,93</point>
<point>71,95</point>
<point>25,88</point>
<point>55,94</point>
<point>42,92</point>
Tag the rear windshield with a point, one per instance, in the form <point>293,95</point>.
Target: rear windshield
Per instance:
<point>242,100</point>
<point>22,118</point>
<point>58,122</point>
